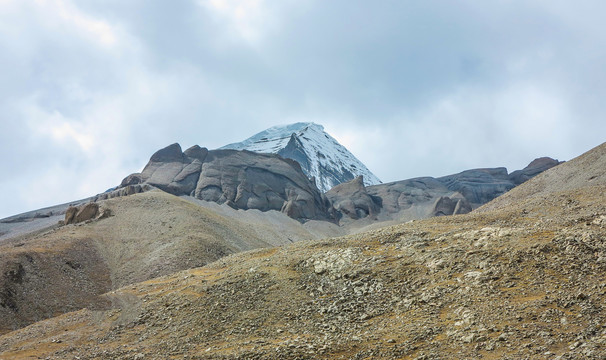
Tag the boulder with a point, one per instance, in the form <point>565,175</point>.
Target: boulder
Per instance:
<point>87,212</point>
<point>70,215</point>
<point>74,215</point>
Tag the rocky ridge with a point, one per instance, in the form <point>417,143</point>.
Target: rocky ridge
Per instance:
<point>240,179</point>
<point>249,180</point>
<point>425,197</point>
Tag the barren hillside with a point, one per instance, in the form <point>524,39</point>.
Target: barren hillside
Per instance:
<point>587,170</point>
<point>523,279</point>
<point>149,235</point>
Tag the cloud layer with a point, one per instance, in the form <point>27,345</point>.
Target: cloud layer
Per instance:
<point>89,90</point>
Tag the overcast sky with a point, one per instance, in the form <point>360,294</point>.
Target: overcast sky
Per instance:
<point>89,90</point>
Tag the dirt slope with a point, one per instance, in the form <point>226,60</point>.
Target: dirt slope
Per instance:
<point>149,235</point>
<point>527,280</point>
<point>584,171</point>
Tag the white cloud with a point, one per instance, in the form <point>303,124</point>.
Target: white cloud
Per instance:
<point>471,127</point>
<point>90,89</point>
<point>65,131</point>
<point>77,21</point>
<point>244,18</point>
<point>54,127</point>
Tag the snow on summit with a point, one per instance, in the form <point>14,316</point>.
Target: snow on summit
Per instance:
<point>320,155</point>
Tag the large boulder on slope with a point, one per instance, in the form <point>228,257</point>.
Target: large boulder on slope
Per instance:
<point>74,215</point>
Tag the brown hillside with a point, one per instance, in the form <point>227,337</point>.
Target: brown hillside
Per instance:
<point>149,235</point>
<point>523,280</point>
<point>584,171</point>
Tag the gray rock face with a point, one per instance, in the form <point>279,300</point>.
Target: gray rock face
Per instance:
<point>259,181</point>
<point>462,207</point>
<point>173,171</point>
<point>351,199</point>
<point>479,186</point>
<point>450,206</point>
<point>132,179</point>
<point>453,194</point>
<point>536,167</point>
<point>241,179</point>
<point>402,195</point>
<point>249,180</point>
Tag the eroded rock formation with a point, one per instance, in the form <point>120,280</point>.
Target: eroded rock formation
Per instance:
<point>250,180</point>
<point>241,179</point>
<point>352,200</point>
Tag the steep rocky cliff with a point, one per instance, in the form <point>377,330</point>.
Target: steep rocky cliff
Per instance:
<point>240,179</point>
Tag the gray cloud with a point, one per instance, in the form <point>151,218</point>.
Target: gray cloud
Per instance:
<point>89,90</point>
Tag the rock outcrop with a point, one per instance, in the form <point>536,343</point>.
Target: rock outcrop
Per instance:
<point>245,180</point>
<point>240,179</point>
<point>85,212</point>
<point>352,200</point>
<point>533,169</point>
<point>479,186</point>
<point>450,206</point>
<point>402,195</point>
<point>453,194</point>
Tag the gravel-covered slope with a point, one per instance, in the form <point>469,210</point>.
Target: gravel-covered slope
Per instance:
<point>589,169</point>
<point>503,283</point>
<point>150,234</point>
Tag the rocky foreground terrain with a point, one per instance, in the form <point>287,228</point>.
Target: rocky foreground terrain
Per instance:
<point>126,240</point>
<point>521,277</point>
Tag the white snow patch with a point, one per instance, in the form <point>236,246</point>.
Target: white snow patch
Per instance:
<point>322,150</point>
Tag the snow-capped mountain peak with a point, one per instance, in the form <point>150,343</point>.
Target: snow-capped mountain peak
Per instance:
<point>320,155</point>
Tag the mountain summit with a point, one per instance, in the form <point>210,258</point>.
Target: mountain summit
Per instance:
<point>320,155</point>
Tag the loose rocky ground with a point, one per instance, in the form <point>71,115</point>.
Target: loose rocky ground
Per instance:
<point>494,285</point>
<point>65,268</point>
<point>522,278</point>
